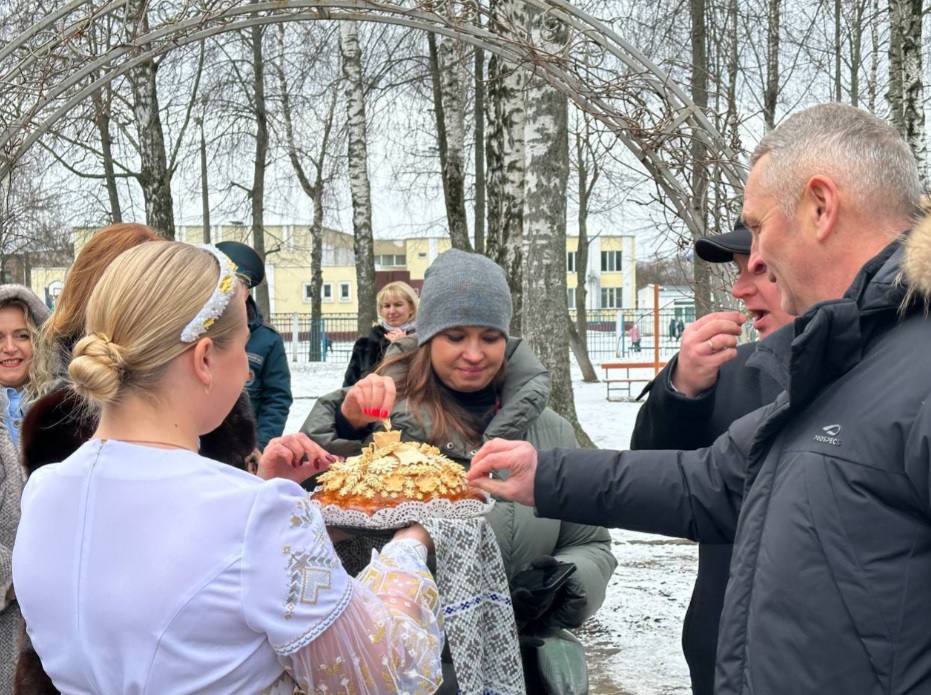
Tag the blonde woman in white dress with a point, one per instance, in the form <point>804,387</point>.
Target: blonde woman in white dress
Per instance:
<point>142,567</point>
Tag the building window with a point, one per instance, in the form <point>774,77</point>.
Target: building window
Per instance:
<point>345,291</point>
<point>327,292</point>
<point>389,260</point>
<point>422,254</point>
<point>570,297</point>
<point>610,261</point>
<point>611,297</point>
<point>308,292</point>
<point>338,256</point>
<point>570,261</point>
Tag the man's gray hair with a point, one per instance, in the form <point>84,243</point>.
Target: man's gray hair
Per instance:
<point>853,147</point>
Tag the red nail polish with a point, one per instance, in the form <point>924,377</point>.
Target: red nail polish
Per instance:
<point>384,414</point>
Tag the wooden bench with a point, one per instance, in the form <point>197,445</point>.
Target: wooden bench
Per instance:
<point>618,379</point>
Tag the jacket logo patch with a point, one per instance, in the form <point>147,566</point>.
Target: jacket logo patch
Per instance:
<point>829,436</point>
<point>255,359</point>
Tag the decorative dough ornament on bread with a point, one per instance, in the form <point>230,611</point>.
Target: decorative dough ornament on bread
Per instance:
<point>390,472</point>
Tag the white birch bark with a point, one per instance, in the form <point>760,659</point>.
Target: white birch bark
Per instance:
<point>906,88</point>
<point>545,314</point>
<point>360,188</point>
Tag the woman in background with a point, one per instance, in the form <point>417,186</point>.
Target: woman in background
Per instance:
<point>21,315</point>
<point>397,307</point>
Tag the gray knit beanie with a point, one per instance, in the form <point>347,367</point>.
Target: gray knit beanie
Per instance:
<point>463,289</point>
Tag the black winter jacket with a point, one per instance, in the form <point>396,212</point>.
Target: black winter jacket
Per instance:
<point>826,494</point>
<point>367,353</point>
<point>669,420</point>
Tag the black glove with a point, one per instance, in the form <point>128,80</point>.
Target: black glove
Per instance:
<point>530,601</point>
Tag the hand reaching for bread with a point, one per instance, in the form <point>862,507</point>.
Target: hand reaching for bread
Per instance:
<point>369,400</point>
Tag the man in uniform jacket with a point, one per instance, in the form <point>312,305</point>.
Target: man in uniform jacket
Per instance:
<point>826,493</point>
<point>698,395</point>
<point>269,383</point>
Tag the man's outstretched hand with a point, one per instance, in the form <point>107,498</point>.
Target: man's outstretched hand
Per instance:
<point>519,458</point>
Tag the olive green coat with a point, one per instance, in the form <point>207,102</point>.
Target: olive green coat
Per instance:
<point>522,535</point>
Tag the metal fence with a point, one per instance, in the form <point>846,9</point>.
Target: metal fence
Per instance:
<point>609,335</point>
<point>328,340</point>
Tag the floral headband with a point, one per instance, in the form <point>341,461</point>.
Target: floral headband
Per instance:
<point>219,300</point>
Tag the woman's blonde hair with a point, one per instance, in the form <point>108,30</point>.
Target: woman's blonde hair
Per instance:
<point>135,317</point>
<point>30,387</point>
<point>401,290</point>
<point>66,324</point>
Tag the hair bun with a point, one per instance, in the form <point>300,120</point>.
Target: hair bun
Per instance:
<point>98,367</point>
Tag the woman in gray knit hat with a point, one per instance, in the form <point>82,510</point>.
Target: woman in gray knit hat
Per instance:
<point>458,383</point>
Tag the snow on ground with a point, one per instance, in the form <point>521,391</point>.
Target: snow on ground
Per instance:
<point>634,640</point>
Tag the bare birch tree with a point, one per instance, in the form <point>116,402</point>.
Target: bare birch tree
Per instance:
<point>906,88</point>
<point>545,315</point>
<point>359,185</point>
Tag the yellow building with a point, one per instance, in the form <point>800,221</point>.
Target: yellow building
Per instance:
<point>611,275</point>
<point>612,271</point>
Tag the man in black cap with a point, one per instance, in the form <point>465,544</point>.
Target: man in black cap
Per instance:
<point>269,383</point>
<point>709,384</point>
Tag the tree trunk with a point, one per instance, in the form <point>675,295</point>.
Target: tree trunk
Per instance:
<point>479,148</point>
<point>505,156</point>
<point>589,376</point>
<point>359,186</point>
<point>447,108</point>
<point>838,46</point>
<point>545,316</point>
<point>204,183</point>
<point>578,333</point>
<point>101,101</point>
<point>905,76</point>
<point>856,50</point>
<point>261,156</point>
<point>873,80</point>
<point>315,192</point>
<point>771,90</point>
<point>699,157</point>
<point>154,176</point>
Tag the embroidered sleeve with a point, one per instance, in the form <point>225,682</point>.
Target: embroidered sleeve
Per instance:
<point>380,633</point>
<point>389,638</point>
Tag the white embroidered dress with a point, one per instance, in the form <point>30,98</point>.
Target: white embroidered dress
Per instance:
<point>152,571</point>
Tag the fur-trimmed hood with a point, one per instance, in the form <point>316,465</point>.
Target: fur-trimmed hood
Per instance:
<point>916,261</point>
<point>36,306</point>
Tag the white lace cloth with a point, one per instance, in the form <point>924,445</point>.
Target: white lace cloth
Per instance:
<point>388,638</point>
<point>476,603</point>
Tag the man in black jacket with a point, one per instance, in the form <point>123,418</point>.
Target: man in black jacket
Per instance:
<point>825,493</point>
<point>699,394</point>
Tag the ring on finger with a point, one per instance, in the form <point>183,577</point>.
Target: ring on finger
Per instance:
<point>711,345</point>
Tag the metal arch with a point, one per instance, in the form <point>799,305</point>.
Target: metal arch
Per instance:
<point>577,81</point>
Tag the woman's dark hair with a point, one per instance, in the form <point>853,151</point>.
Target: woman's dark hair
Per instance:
<point>418,383</point>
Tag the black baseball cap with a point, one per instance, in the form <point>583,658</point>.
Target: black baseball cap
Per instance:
<point>720,248</point>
